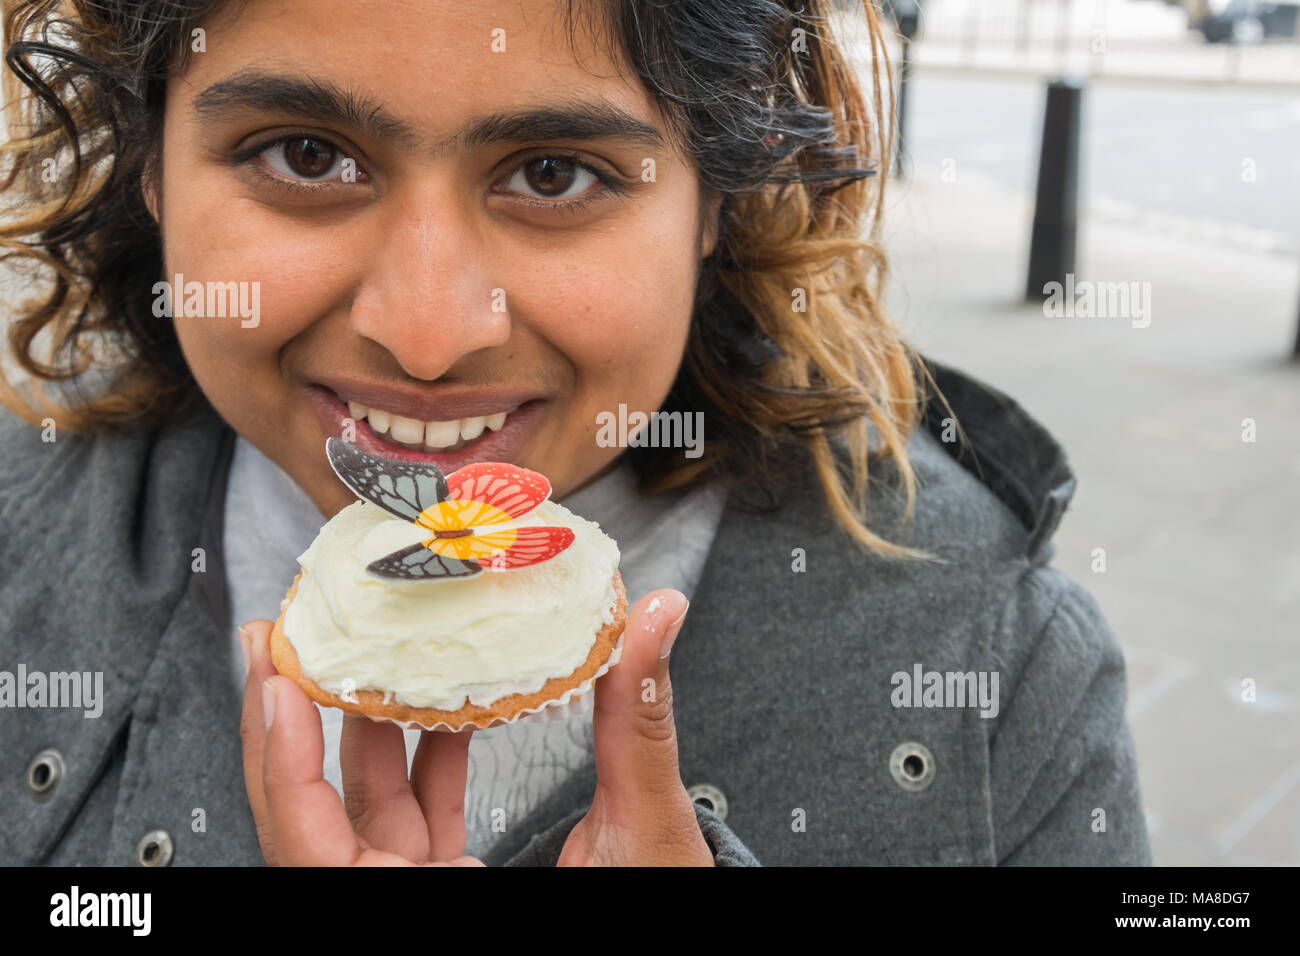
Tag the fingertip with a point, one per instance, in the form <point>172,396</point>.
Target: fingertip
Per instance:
<point>657,611</point>
<point>259,637</point>
<point>255,625</point>
<point>652,625</point>
<point>671,630</point>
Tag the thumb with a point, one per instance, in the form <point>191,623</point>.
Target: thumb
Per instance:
<point>635,736</point>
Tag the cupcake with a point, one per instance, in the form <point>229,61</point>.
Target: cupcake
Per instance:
<point>450,602</point>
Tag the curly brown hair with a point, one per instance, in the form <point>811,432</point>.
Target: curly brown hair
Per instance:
<point>760,93</point>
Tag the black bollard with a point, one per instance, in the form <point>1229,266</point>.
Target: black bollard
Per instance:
<point>906,15</point>
<point>902,110</point>
<point>1056,205</point>
<point>1296,352</point>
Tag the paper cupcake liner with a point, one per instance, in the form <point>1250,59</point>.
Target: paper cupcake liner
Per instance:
<point>574,701</point>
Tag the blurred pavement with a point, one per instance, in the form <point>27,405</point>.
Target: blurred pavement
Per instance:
<point>1201,530</point>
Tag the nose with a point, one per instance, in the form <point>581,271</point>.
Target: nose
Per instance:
<point>429,294</point>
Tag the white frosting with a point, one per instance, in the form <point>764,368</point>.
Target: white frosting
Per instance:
<point>437,643</point>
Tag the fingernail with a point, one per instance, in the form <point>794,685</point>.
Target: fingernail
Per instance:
<point>244,640</point>
<point>268,702</point>
<point>673,628</point>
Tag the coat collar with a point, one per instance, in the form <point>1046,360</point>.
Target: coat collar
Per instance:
<point>1007,449</point>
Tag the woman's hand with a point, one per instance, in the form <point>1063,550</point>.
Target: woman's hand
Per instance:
<point>388,820</point>
<point>641,814</point>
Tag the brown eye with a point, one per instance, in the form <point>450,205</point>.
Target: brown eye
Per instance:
<point>554,177</point>
<point>309,158</point>
<point>305,159</point>
<point>550,175</point>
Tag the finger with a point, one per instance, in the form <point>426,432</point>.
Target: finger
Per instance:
<point>255,638</point>
<point>438,774</point>
<point>635,736</point>
<point>377,793</point>
<point>459,861</point>
<point>306,819</point>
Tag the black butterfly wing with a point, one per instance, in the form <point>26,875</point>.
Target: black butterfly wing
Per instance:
<point>418,563</point>
<point>402,488</point>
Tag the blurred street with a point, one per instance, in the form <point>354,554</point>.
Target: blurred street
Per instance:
<point>1222,163</point>
<point>1201,529</point>
<point>1147,39</point>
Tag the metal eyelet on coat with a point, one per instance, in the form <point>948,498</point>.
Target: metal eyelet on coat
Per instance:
<point>44,773</point>
<point>710,796</point>
<point>912,766</point>
<point>154,849</point>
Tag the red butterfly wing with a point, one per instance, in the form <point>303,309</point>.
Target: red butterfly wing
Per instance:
<point>531,546</point>
<point>514,490</point>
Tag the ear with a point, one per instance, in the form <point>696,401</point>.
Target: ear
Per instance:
<point>149,188</point>
<point>710,226</point>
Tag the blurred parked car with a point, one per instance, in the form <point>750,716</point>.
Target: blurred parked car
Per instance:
<point>1243,21</point>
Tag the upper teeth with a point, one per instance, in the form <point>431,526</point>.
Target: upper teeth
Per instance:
<point>412,431</point>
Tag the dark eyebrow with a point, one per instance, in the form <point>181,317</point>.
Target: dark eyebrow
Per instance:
<point>323,102</point>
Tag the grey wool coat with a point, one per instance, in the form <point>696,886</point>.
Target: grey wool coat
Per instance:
<point>788,684</point>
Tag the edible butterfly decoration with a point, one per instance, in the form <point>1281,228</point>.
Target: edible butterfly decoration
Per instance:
<point>463,512</point>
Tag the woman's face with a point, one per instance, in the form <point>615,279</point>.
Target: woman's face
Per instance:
<point>447,215</point>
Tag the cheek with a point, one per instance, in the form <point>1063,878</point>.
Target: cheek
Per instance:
<point>622,312</point>
<point>212,238</point>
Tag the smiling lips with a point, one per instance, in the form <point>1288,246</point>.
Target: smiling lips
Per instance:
<point>428,436</point>
<point>448,427</point>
